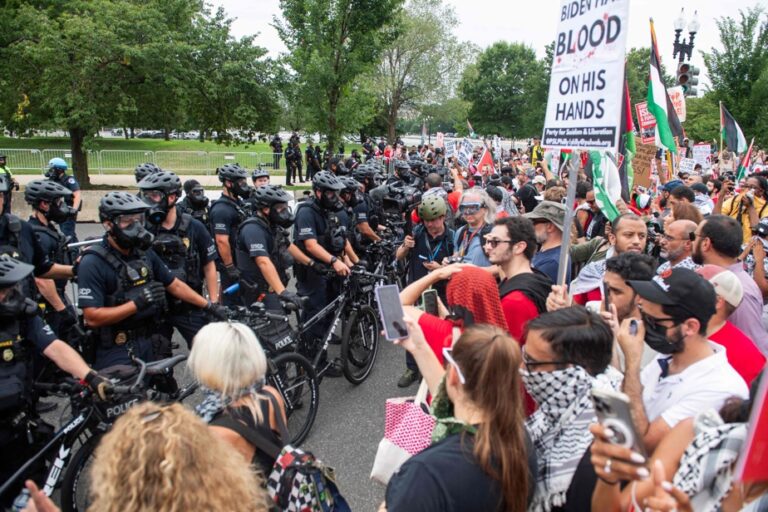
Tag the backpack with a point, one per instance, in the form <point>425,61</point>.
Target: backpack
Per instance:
<point>299,482</point>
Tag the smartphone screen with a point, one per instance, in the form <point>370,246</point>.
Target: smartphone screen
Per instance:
<point>391,311</point>
<point>429,300</point>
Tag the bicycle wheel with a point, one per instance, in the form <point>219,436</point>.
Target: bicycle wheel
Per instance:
<point>294,377</point>
<point>360,344</point>
<point>76,484</point>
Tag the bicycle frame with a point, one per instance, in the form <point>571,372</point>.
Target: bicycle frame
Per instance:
<point>339,301</point>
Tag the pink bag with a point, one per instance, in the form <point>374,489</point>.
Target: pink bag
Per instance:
<point>407,431</point>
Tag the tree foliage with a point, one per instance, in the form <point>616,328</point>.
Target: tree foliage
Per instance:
<point>507,90</point>
<point>738,70</point>
<point>332,45</point>
<point>702,123</point>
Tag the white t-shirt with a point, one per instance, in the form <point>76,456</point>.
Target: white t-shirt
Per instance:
<point>704,385</point>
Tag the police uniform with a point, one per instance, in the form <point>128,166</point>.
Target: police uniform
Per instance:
<point>5,171</point>
<point>68,226</point>
<point>200,214</point>
<point>226,214</point>
<point>18,240</point>
<point>185,249</point>
<point>107,278</point>
<point>312,222</point>
<point>256,238</point>
<point>53,244</point>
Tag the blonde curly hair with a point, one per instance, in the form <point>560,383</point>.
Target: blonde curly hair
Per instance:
<point>162,457</point>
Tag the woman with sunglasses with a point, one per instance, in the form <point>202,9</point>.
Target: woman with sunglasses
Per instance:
<point>564,353</point>
<point>482,459</point>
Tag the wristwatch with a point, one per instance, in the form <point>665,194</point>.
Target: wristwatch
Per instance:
<point>334,259</point>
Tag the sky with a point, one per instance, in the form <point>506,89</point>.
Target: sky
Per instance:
<point>484,22</point>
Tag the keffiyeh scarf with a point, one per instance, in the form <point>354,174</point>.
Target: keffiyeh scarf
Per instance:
<point>213,402</point>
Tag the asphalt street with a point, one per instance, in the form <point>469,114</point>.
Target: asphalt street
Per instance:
<point>350,419</point>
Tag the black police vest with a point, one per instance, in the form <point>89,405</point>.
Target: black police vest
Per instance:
<point>179,253</point>
<point>279,254</point>
<point>200,214</point>
<point>335,237</point>
<point>132,276</point>
<point>11,246</point>
<point>62,254</point>
<point>225,202</point>
<point>15,384</point>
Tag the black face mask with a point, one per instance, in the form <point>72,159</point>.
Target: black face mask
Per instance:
<point>353,199</point>
<point>405,176</point>
<point>241,190</point>
<point>283,218</point>
<point>134,236</point>
<point>197,199</point>
<point>157,211</point>
<point>16,303</point>
<point>656,338</point>
<point>332,203</point>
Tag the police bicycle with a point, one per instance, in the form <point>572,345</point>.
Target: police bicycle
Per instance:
<point>74,443</point>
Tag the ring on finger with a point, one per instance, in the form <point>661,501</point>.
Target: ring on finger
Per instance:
<point>607,467</point>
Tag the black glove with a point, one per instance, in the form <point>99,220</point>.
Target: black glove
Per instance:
<point>216,311</point>
<point>232,273</point>
<point>291,297</point>
<point>150,295</point>
<point>67,318</point>
<point>319,268</point>
<point>99,385</point>
<point>362,264</point>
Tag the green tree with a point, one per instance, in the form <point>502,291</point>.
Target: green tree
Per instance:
<point>739,66</point>
<point>507,90</point>
<point>423,63</point>
<point>332,45</point>
<point>702,123</point>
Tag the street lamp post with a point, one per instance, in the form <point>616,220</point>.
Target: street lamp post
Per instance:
<point>687,75</point>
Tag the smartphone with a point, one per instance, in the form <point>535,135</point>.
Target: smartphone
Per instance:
<point>429,301</point>
<point>606,297</point>
<point>391,311</point>
<point>612,409</point>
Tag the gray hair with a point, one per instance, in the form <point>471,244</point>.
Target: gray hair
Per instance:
<point>485,200</point>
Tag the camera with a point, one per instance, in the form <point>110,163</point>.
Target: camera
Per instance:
<point>400,200</point>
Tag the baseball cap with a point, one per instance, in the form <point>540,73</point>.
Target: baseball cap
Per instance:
<point>550,211</point>
<point>725,282</point>
<point>540,179</point>
<point>683,293</point>
<point>672,185</point>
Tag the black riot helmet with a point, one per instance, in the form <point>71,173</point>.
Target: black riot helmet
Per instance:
<point>258,173</point>
<point>143,170</point>
<point>236,175</point>
<point>350,194</point>
<point>126,213</point>
<point>155,189</point>
<point>15,303</point>
<point>403,171</point>
<point>53,193</point>
<point>276,199</point>
<point>329,186</point>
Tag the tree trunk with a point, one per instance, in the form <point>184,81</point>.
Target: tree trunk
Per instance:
<point>392,125</point>
<point>125,132</point>
<point>79,157</point>
<point>133,132</point>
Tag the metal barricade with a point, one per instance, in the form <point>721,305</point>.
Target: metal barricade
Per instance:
<point>268,160</point>
<point>119,161</point>
<point>184,162</point>
<point>24,159</point>
<point>247,160</point>
<point>94,162</point>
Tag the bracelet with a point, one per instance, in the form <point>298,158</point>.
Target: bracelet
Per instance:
<point>334,259</point>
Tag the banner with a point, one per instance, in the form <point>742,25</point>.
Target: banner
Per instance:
<point>647,123</point>
<point>465,153</point>
<point>642,164</point>
<point>450,149</point>
<point>702,155</point>
<point>686,165</point>
<point>677,95</point>
<point>586,85</point>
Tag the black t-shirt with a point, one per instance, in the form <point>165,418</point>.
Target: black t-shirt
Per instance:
<point>427,249</point>
<point>199,240</point>
<point>38,333</point>
<point>28,249</point>
<point>527,195</point>
<point>49,245</point>
<point>579,495</point>
<point>225,217</point>
<point>309,223</point>
<point>446,478</point>
<point>253,241</point>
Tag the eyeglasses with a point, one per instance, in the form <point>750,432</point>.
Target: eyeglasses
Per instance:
<point>494,242</point>
<point>447,355</point>
<point>531,363</point>
<point>652,322</point>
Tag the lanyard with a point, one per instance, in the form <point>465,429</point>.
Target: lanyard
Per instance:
<point>464,247</point>
<point>433,254</point>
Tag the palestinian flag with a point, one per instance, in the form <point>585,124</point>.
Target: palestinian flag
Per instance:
<point>731,132</point>
<point>741,173</point>
<point>471,130</point>
<point>627,146</point>
<point>660,106</point>
<point>605,178</point>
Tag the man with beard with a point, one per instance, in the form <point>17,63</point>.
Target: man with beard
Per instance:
<point>692,374</point>
<point>677,246</point>
<point>718,242</point>
<point>548,218</point>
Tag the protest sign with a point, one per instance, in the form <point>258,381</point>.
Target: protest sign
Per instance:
<point>647,123</point>
<point>450,149</point>
<point>586,86</point>
<point>641,164</point>
<point>686,165</point>
<point>702,154</point>
<point>465,153</point>
<point>751,466</point>
<point>440,140</point>
<point>677,97</point>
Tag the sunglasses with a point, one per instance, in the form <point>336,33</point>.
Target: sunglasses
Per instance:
<point>470,208</point>
<point>448,356</point>
<point>494,242</point>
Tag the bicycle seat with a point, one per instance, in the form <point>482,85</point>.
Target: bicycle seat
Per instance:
<point>163,365</point>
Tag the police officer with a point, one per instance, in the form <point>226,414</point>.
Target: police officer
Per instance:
<point>277,151</point>
<point>264,252</point>
<point>337,167</point>
<point>352,196</point>
<point>143,170</point>
<point>12,185</point>
<point>57,172</point>
<point>260,177</point>
<point>313,161</point>
<point>48,202</point>
<point>318,233</point>
<point>226,214</point>
<point>195,203</point>
<point>22,334</point>
<point>185,246</point>
<point>122,286</point>
<point>366,216</point>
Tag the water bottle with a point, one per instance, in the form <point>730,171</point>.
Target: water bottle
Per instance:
<point>20,503</point>
<point>232,289</point>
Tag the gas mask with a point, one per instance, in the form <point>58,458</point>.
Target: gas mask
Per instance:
<point>16,303</point>
<point>197,198</point>
<point>158,210</point>
<point>282,218</point>
<point>134,236</point>
<point>59,211</point>
<point>53,173</point>
<point>353,199</point>
<point>241,189</point>
<point>331,203</point>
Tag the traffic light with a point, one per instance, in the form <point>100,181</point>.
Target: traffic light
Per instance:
<point>688,77</point>
<point>683,73</point>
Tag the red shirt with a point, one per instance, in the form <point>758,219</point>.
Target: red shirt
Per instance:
<point>438,332</point>
<point>518,309</point>
<point>741,352</point>
<point>583,298</point>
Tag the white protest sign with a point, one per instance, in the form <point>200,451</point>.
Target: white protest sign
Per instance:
<point>450,148</point>
<point>586,86</point>
<point>677,97</point>
<point>440,142</point>
<point>465,153</point>
<point>702,154</point>
<point>687,165</point>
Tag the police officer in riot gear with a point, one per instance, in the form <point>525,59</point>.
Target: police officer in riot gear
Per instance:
<point>195,203</point>
<point>122,285</point>
<point>260,177</point>
<point>185,246</point>
<point>57,172</point>
<point>366,218</point>
<point>143,170</point>
<point>264,252</point>
<point>48,202</point>
<point>22,334</point>
<point>226,214</point>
